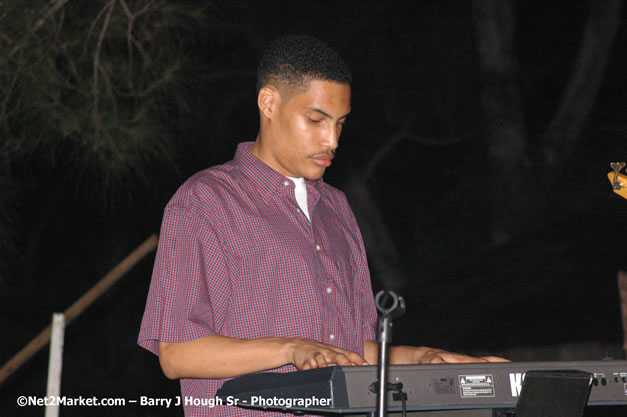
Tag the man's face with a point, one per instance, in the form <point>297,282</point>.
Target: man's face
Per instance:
<point>305,129</point>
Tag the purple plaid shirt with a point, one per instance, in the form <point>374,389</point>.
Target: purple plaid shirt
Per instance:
<point>238,258</point>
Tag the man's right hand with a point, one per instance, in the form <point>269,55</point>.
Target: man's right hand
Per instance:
<point>309,354</point>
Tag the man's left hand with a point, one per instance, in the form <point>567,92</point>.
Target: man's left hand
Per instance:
<point>402,355</point>
<point>442,356</point>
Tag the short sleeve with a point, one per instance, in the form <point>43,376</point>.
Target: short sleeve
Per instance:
<point>190,260</point>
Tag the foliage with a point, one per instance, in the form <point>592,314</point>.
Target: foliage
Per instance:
<point>95,86</point>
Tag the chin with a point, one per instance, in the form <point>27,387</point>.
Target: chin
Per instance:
<point>313,176</point>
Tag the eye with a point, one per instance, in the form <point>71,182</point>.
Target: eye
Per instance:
<point>316,121</point>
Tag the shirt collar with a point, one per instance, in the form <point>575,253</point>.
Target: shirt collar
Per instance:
<point>267,180</point>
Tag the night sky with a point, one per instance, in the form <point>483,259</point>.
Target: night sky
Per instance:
<point>513,258</point>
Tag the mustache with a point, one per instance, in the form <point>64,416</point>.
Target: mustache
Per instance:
<point>330,152</point>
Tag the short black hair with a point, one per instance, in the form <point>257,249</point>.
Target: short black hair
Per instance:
<point>293,61</point>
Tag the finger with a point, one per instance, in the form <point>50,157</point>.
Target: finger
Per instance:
<point>495,359</point>
<point>449,357</point>
<point>356,359</point>
<point>463,359</point>
<point>309,363</point>
<point>353,357</point>
<point>320,360</point>
<point>432,358</point>
<point>459,358</point>
<point>340,359</point>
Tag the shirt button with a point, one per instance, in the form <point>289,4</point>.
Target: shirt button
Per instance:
<point>329,290</point>
<point>331,336</point>
<point>286,183</point>
<point>318,247</point>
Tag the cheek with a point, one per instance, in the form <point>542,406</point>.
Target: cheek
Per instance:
<point>302,133</point>
<point>301,126</point>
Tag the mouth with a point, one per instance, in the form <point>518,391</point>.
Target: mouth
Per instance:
<point>323,160</point>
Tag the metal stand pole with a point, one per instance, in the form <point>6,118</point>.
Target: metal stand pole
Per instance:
<point>55,363</point>
<point>390,306</point>
<point>385,336</point>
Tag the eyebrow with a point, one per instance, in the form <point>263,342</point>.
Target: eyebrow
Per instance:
<point>325,114</point>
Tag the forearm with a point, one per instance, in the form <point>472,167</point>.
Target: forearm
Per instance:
<point>222,357</point>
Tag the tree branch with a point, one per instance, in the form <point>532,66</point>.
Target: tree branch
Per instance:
<point>402,132</point>
<point>55,5</point>
<point>494,22</point>
<point>583,85</point>
<point>96,65</point>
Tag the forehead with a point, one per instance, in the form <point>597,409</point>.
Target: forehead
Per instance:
<point>332,96</point>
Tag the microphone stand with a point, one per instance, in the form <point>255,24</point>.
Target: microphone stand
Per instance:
<point>390,306</point>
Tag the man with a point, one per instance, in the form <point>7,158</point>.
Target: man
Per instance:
<point>261,265</point>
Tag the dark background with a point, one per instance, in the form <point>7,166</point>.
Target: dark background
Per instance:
<point>519,261</point>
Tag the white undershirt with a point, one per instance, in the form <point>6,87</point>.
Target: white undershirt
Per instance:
<point>300,191</point>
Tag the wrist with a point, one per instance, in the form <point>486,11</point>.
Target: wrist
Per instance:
<point>288,348</point>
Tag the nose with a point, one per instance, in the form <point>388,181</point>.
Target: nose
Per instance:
<point>331,137</point>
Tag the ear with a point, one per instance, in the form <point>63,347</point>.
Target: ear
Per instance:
<point>268,100</point>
